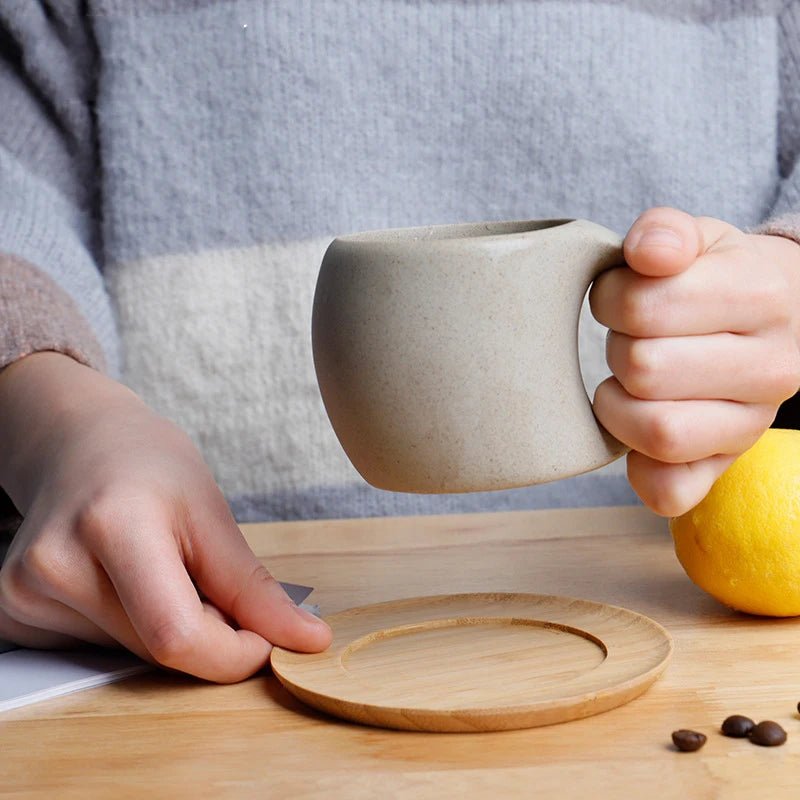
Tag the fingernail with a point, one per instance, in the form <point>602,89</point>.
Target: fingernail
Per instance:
<point>308,616</point>
<point>656,237</point>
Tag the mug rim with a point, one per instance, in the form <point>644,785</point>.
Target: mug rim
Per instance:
<point>456,232</point>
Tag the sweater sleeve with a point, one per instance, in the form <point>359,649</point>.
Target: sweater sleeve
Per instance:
<point>784,217</point>
<point>52,295</point>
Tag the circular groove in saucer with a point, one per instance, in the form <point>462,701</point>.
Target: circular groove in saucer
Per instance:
<point>478,662</point>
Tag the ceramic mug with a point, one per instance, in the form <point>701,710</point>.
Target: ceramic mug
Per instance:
<point>447,356</point>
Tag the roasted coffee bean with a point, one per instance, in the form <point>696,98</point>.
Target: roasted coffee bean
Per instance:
<point>737,726</point>
<point>768,734</point>
<point>688,741</point>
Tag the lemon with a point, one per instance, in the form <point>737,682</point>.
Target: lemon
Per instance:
<point>741,543</point>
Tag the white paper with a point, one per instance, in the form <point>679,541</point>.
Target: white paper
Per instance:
<point>28,676</point>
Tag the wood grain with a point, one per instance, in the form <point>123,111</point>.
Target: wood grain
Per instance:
<point>166,736</point>
<point>478,662</point>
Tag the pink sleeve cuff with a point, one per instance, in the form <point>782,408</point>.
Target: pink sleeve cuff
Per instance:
<point>787,225</point>
<point>37,314</point>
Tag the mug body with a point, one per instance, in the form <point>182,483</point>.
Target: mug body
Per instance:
<point>447,356</point>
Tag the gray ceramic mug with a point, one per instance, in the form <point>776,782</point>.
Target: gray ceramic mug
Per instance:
<point>447,356</point>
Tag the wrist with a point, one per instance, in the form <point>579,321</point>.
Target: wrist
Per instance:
<point>784,250</point>
<point>43,396</point>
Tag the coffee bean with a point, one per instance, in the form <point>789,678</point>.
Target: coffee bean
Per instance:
<point>688,741</point>
<point>798,708</point>
<point>768,734</point>
<point>737,726</point>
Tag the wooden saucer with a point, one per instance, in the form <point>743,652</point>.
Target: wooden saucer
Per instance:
<point>478,662</point>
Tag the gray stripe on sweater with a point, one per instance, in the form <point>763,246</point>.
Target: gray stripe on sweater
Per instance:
<point>788,198</point>
<point>43,228</point>
<point>324,116</point>
<point>365,501</point>
<point>789,127</point>
<point>35,139</point>
<point>46,85</point>
<point>48,180</point>
<point>697,10</point>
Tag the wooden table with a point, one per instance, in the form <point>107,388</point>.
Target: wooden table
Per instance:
<point>165,735</point>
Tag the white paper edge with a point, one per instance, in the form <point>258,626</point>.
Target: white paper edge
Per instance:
<point>74,686</point>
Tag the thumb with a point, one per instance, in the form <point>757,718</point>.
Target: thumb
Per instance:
<point>662,242</point>
<point>262,606</point>
<point>237,583</point>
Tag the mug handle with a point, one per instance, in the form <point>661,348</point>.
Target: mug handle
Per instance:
<point>605,253</point>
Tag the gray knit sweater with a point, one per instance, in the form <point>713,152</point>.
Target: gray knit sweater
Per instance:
<point>171,172</point>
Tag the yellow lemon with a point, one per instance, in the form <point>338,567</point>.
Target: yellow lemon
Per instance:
<point>741,543</point>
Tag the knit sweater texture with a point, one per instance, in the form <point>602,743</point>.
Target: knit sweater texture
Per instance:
<point>171,172</point>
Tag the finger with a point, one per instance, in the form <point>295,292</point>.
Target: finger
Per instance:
<point>30,636</point>
<point>750,369</point>
<point>230,575</point>
<point>54,584</point>
<point>718,294</point>
<point>662,241</point>
<point>166,612</point>
<point>673,489</point>
<point>93,596</point>
<point>679,431</point>
<point>26,578</point>
<point>62,621</point>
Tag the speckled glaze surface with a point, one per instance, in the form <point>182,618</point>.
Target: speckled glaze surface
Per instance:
<point>447,356</point>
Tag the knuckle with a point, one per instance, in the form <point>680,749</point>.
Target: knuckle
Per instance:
<point>786,379</point>
<point>672,500</point>
<point>12,587</point>
<point>636,312</point>
<point>788,370</point>
<point>171,642</point>
<point>18,596</point>
<point>40,566</point>
<point>259,577</point>
<point>765,419</point>
<point>664,490</point>
<point>752,426</point>
<point>640,369</point>
<point>663,438</point>
<point>109,510</point>
<point>667,502</point>
<point>95,516</point>
<point>677,493</point>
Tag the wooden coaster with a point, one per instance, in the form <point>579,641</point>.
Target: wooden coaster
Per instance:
<point>478,662</point>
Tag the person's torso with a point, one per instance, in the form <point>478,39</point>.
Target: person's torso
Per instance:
<point>238,137</point>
